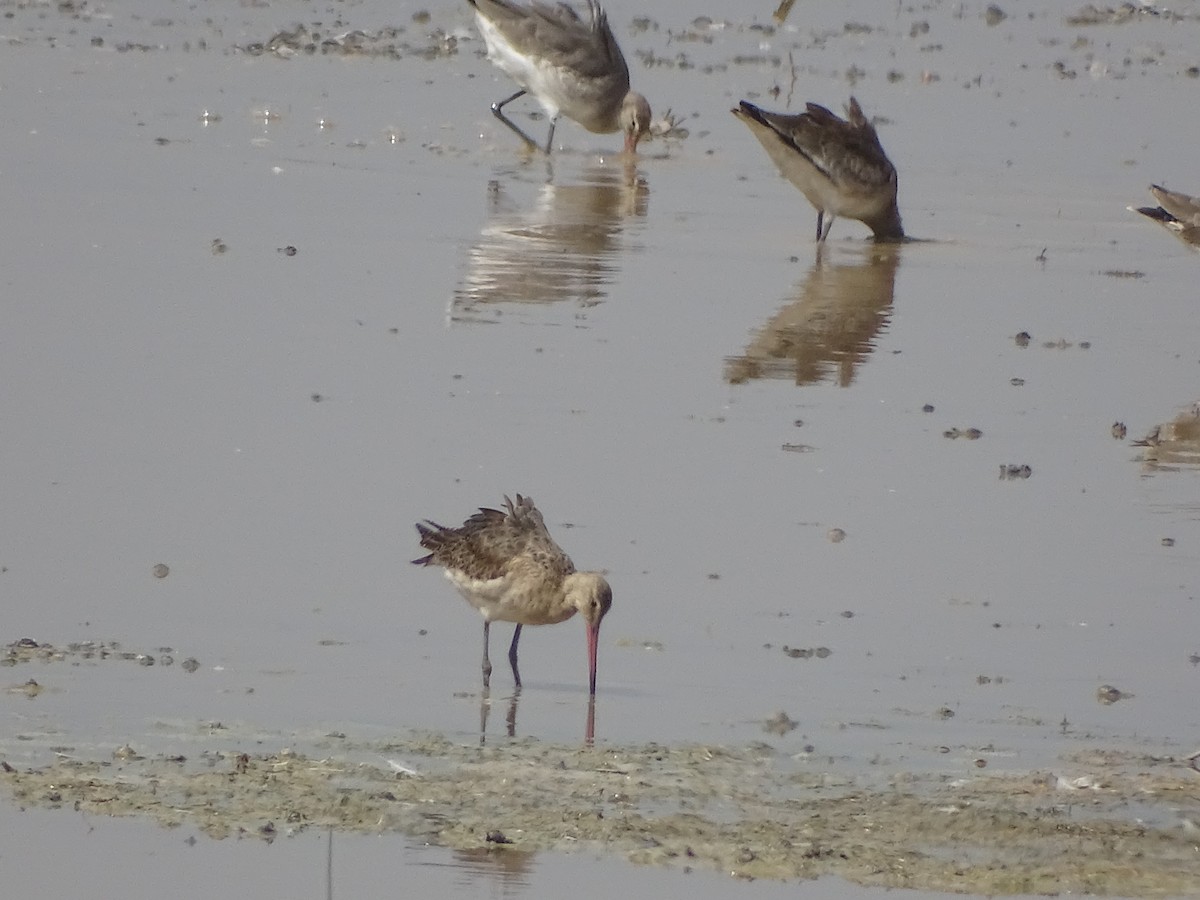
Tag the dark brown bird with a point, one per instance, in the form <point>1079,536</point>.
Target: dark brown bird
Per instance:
<point>507,566</point>
<point>838,164</point>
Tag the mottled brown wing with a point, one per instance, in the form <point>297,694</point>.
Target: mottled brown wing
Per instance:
<point>475,548</point>
<point>535,539</point>
<point>489,543</point>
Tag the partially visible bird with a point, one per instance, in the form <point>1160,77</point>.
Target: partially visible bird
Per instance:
<point>838,164</point>
<point>507,566</point>
<point>1178,213</point>
<point>572,66</point>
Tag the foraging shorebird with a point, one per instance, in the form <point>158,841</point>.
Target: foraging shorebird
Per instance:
<point>838,164</point>
<point>507,566</point>
<point>1178,213</point>
<point>572,66</point>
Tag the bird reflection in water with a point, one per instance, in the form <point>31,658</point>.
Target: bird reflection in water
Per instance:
<point>509,874</point>
<point>831,326</point>
<point>561,247</point>
<point>510,717</point>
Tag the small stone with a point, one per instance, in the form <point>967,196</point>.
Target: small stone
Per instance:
<point>1107,695</point>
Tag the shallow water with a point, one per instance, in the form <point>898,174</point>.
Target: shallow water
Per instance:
<point>633,348</point>
<point>355,865</point>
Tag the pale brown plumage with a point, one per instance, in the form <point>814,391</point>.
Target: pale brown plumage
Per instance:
<point>573,66</point>
<point>838,164</point>
<point>507,566</point>
<point>1178,213</point>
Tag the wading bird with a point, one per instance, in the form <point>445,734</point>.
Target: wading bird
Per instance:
<point>507,566</point>
<point>838,164</point>
<point>572,66</point>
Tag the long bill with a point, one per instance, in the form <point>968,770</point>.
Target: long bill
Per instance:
<point>631,142</point>
<point>593,642</point>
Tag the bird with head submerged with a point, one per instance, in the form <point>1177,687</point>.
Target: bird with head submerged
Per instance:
<point>506,565</point>
<point>838,164</point>
<point>572,65</point>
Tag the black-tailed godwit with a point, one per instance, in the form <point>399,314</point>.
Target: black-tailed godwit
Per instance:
<point>838,164</point>
<point>572,66</point>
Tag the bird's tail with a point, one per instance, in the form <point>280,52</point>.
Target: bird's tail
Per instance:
<point>431,533</point>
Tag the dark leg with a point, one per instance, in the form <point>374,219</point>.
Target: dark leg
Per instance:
<point>485,705</point>
<point>498,112</point>
<point>487,663</point>
<point>550,137</point>
<point>511,719</point>
<point>824,232</point>
<point>820,216</point>
<point>512,656</point>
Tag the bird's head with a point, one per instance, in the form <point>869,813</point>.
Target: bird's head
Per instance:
<point>590,594</point>
<point>634,119</point>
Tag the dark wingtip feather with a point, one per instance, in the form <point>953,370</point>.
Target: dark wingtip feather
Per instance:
<point>1157,213</point>
<point>430,533</point>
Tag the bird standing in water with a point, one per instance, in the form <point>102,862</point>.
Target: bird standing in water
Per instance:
<point>507,566</point>
<point>838,164</point>
<point>572,66</point>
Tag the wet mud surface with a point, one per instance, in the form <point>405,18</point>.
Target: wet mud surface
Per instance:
<point>1127,827</point>
<point>1103,822</point>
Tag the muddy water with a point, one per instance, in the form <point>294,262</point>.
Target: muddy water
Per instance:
<point>265,308</point>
